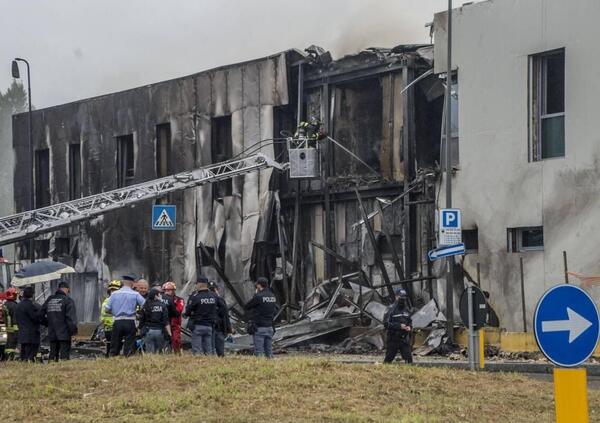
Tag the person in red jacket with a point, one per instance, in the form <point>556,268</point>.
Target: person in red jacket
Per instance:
<point>169,289</point>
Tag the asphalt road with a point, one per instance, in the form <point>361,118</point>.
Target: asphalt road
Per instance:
<point>593,381</point>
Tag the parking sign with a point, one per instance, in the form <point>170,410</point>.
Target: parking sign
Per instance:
<point>450,229</point>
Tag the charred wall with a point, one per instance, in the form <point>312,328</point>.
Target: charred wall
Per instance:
<point>122,241</point>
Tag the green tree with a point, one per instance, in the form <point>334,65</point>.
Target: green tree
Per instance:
<point>14,100</point>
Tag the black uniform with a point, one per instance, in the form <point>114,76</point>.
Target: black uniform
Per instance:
<point>263,307</point>
<point>202,308</point>
<point>154,315</point>
<point>202,311</point>
<point>222,327</point>
<point>398,338</point>
<point>28,318</point>
<point>59,315</point>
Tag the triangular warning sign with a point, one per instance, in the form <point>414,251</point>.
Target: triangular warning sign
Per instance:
<point>164,221</point>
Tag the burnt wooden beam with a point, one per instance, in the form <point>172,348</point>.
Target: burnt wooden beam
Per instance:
<point>286,287</point>
<point>222,275</point>
<point>406,281</point>
<point>352,265</point>
<point>395,257</point>
<point>378,257</point>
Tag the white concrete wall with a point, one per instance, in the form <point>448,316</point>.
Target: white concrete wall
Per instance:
<point>497,187</point>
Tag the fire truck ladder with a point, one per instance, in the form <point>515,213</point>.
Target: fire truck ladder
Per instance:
<point>47,219</point>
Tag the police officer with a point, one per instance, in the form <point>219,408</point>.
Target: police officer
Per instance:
<point>10,319</point>
<point>28,318</point>
<point>222,324</point>
<point>263,307</point>
<point>154,322</point>
<point>123,305</point>
<point>202,311</point>
<point>399,329</point>
<point>58,313</point>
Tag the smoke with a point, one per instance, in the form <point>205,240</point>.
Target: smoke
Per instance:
<point>82,49</point>
<point>363,26</point>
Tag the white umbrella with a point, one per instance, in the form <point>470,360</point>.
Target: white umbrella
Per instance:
<point>41,271</point>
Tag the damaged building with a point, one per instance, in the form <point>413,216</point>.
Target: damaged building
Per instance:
<point>526,176</point>
<point>335,239</point>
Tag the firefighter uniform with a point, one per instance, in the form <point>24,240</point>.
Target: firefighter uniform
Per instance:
<point>176,305</point>
<point>9,310</point>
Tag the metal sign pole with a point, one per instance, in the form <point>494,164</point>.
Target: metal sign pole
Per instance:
<point>450,260</point>
<point>471,334</point>
<point>162,257</point>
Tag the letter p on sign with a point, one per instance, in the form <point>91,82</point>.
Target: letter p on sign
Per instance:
<point>450,218</point>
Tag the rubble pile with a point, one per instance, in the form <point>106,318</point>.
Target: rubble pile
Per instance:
<point>344,316</point>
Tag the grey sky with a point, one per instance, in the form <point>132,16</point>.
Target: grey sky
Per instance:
<point>82,48</point>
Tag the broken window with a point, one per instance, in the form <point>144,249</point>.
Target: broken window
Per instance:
<point>453,125</point>
<point>547,105</point>
<point>163,150</point>
<point>125,160</point>
<point>74,171</point>
<point>222,150</point>
<point>525,239</point>
<point>470,238</point>
<point>357,124</point>
<point>42,178</point>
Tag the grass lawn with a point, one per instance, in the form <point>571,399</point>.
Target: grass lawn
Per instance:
<point>240,389</point>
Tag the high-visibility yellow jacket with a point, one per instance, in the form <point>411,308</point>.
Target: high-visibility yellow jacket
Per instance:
<point>106,317</point>
<point>9,310</point>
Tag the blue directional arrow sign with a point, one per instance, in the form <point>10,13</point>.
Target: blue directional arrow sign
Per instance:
<point>446,251</point>
<point>164,217</point>
<point>566,325</point>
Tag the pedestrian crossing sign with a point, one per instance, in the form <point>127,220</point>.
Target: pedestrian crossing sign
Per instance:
<point>164,217</point>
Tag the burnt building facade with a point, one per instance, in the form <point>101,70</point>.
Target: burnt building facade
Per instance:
<point>381,109</point>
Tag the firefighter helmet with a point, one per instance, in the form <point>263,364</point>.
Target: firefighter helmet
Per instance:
<point>169,286</point>
<point>12,293</point>
<point>114,285</point>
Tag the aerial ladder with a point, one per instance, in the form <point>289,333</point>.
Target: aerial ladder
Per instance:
<point>32,223</point>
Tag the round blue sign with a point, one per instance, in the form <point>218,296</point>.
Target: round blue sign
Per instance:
<point>566,325</point>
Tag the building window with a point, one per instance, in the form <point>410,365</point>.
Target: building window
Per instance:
<point>42,178</point>
<point>222,150</point>
<point>74,171</point>
<point>471,240</point>
<point>547,105</point>
<point>125,160</point>
<point>453,125</point>
<point>163,150</point>
<point>525,239</point>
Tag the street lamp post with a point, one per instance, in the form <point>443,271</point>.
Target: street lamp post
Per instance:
<point>16,74</point>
